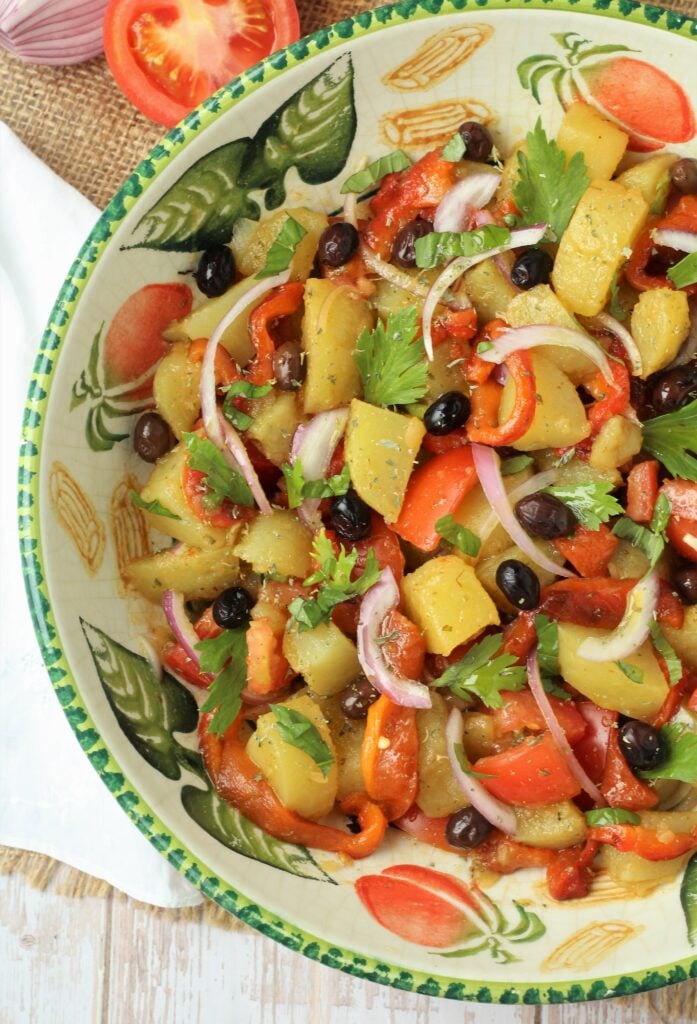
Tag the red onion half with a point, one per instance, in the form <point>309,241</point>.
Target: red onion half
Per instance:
<point>683,241</point>
<point>178,621</point>
<point>634,627</point>
<point>57,32</point>
<point>518,338</point>
<point>558,734</point>
<point>314,444</point>
<point>382,598</point>
<point>455,210</point>
<point>488,467</point>
<point>500,815</point>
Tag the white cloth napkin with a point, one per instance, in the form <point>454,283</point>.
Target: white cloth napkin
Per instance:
<point>51,799</point>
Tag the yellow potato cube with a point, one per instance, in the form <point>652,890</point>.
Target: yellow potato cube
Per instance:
<point>540,305</point>
<point>278,544</point>
<point>198,573</point>
<point>652,178</point>
<point>560,418</point>
<point>323,656</point>
<point>381,447</point>
<point>442,375</point>
<point>439,792</point>
<point>596,243</point>
<point>584,130</point>
<point>684,640</point>
<point>605,683</point>
<point>176,389</point>
<point>205,318</point>
<point>448,603</point>
<point>618,440</point>
<point>660,323</point>
<point>550,826</point>
<point>488,289</point>
<point>347,734</point>
<point>276,418</point>
<point>474,511</point>
<point>251,247</point>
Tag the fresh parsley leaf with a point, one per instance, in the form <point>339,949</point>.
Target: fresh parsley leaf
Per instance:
<point>547,646</point>
<point>661,514</point>
<point>299,488</point>
<point>464,764</point>
<point>652,544</point>
<point>454,149</point>
<point>335,584</point>
<point>297,730</point>
<point>226,655</point>
<point>388,164</point>
<point>459,536</point>
<point>615,307</point>
<point>591,503</point>
<point>442,246</point>
<point>155,506</point>
<point>681,762</point>
<point>483,673</point>
<point>548,189</point>
<point>672,439</point>
<point>516,464</point>
<point>282,249</point>
<point>684,273</point>
<point>242,389</point>
<point>219,477</point>
<point>632,672</point>
<point>554,690</point>
<point>391,361</point>
<point>667,652</point>
<point>612,816</point>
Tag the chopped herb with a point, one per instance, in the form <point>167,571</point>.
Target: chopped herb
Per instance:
<point>661,514</point>
<point>684,273</point>
<point>221,480</point>
<point>516,464</point>
<point>283,248</point>
<point>388,164</point>
<point>459,536</point>
<point>391,361</point>
<point>299,488</point>
<point>667,652</point>
<point>335,583</point>
<point>681,761</point>
<point>155,506</point>
<point>650,539</point>
<point>454,149</point>
<point>632,672</point>
<point>554,690</point>
<point>615,307</point>
<point>297,730</point>
<point>548,188</point>
<point>484,346</point>
<point>242,389</point>
<point>465,766</point>
<point>547,645</point>
<point>225,655</point>
<point>672,439</point>
<point>591,503</point>
<point>442,246</point>
<point>483,673</point>
<point>612,816</point>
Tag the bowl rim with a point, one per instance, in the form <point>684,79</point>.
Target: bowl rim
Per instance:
<point>59,671</point>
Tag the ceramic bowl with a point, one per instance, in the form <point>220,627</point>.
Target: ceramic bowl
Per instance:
<point>400,76</point>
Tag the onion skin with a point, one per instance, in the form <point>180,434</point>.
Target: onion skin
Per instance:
<point>456,208</point>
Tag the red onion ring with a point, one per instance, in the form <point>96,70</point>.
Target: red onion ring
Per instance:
<point>500,815</point>
<point>536,483</point>
<point>518,338</point>
<point>455,210</point>
<point>621,332</point>
<point>682,241</point>
<point>400,279</point>
<point>314,444</point>
<point>238,457</point>
<point>480,219</point>
<point>633,628</point>
<point>178,621</point>
<point>558,734</point>
<point>377,602</point>
<point>487,464</point>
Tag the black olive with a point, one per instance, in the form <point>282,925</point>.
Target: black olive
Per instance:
<point>152,437</point>
<point>642,745</point>
<point>231,608</point>
<point>357,698</point>
<point>447,413</point>
<point>534,266</point>
<point>403,248</point>
<point>349,517</point>
<point>686,584</point>
<point>215,271</point>
<point>675,388</point>
<point>289,366</point>
<point>478,142</point>
<point>337,244</point>
<point>683,175</point>
<point>543,515</point>
<point>518,583</point>
<point>467,828</point>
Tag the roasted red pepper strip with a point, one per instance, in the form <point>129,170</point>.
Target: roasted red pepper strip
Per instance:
<point>475,369</point>
<point>642,490</point>
<point>589,551</point>
<point>282,301</point>
<point>683,217</point>
<point>601,602</point>
<point>390,757</point>
<point>226,370</point>
<point>456,325</point>
<point>569,874</point>
<point>651,844</point>
<point>620,786</point>
<point>611,400</point>
<point>405,650</point>
<point>676,694</point>
<point>437,444</point>
<point>504,855</point>
<point>520,635</point>
<point>435,490</point>
<point>236,779</point>
<point>482,426</point>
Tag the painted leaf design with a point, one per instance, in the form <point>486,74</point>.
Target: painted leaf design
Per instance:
<point>230,828</point>
<point>200,209</point>
<point>148,711</point>
<point>312,131</point>
<point>688,899</point>
<point>87,384</point>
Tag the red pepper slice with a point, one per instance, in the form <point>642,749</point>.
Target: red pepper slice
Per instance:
<point>405,650</point>
<point>651,844</point>
<point>620,787</point>
<point>435,490</point>
<point>482,426</point>
<point>589,551</point>
<point>504,855</point>
<point>642,490</point>
<point>282,301</point>
<point>601,602</point>
<point>569,874</point>
<point>533,772</point>
<point>683,217</point>
<point>390,757</point>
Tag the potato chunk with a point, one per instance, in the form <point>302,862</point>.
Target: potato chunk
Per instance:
<point>684,640</point>
<point>347,734</point>
<point>334,317</point>
<point>631,869</point>
<point>550,826</point>
<point>439,793</point>
<point>652,178</point>
<point>474,511</point>
<point>292,774</point>
<point>205,318</point>
<point>560,419</point>
<point>618,440</point>
<point>278,543</point>
<point>325,658</point>
<point>250,249</point>
<point>448,603</point>
<point>276,418</point>
<point>176,389</point>
<point>489,290</point>
<point>605,683</point>
<point>381,447</point>
<point>660,324</point>
<point>584,130</point>
<point>540,305</point>
<point>198,573</point>
<point>596,243</point>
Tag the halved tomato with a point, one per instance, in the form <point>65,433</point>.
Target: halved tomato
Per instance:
<point>169,55</point>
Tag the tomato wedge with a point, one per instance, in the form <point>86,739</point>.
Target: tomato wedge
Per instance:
<point>167,56</point>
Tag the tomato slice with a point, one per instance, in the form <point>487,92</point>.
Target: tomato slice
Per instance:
<point>532,773</point>
<point>169,55</point>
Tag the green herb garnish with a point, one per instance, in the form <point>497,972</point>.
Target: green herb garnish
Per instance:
<point>242,389</point>
<point>299,488</point>
<point>681,760</point>
<point>548,188</point>
<point>335,583</point>
<point>483,672</point>
<point>440,247</point>
<point>612,816</point>
<point>672,439</point>
<point>591,503</point>
<point>297,730</point>
<point>684,273</point>
<point>459,536</point>
<point>667,652</point>
<point>282,249</point>
<point>388,164</point>
<point>221,480</point>
<point>391,361</point>
<point>225,655</point>
<point>155,507</point>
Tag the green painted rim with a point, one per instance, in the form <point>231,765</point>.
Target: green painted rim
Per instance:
<point>30,540</point>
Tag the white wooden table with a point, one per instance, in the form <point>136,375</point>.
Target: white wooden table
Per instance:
<point>110,961</point>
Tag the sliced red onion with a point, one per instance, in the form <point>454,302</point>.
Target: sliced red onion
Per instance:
<point>382,598</point>
<point>405,281</point>
<point>683,241</point>
<point>558,734</point>
<point>480,219</point>
<point>63,32</point>
<point>536,336</point>
<point>487,464</point>
<point>536,483</point>
<point>634,627</point>
<point>500,815</point>
<point>457,267</point>
<point>621,332</point>
<point>238,457</point>
<point>314,444</point>
<point>455,210</point>
<point>178,621</point>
